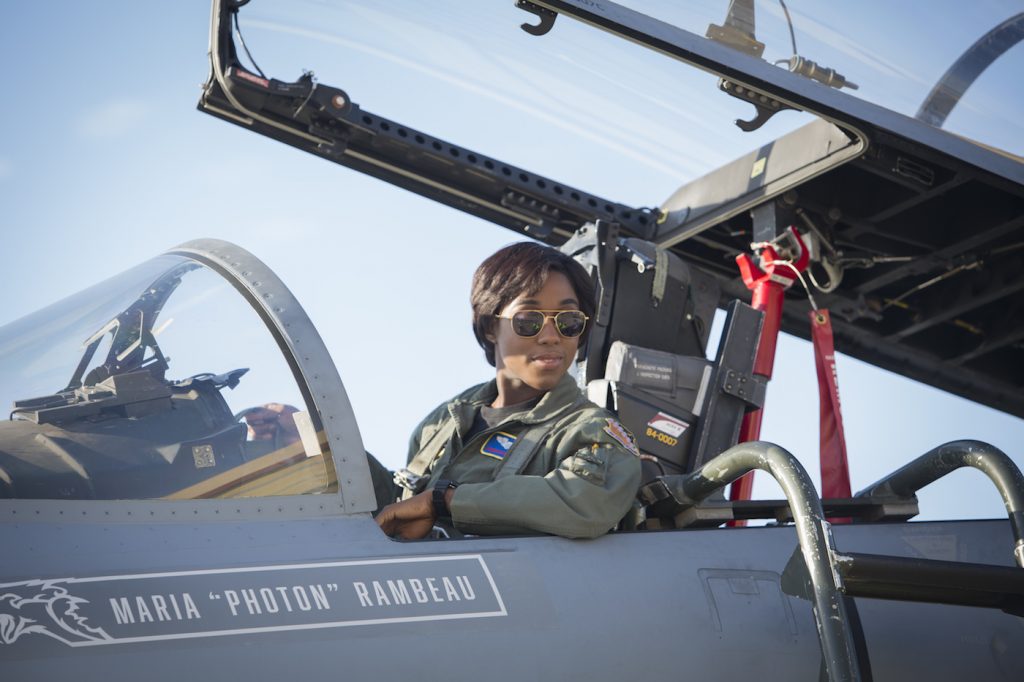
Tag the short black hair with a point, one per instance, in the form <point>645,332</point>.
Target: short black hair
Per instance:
<point>517,269</point>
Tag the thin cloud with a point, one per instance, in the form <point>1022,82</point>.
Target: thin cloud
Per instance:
<point>6,169</point>
<point>112,118</point>
<point>842,43</point>
<point>481,90</point>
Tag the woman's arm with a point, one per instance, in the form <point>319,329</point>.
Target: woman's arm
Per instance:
<point>585,495</point>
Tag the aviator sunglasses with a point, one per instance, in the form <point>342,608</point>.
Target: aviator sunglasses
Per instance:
<point>528,323</point>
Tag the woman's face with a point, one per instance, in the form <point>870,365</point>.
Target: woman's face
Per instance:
<point>529,366</point>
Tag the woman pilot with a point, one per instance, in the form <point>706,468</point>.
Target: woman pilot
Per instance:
<point>526,451</point>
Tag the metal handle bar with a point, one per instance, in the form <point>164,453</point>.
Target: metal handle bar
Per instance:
<point>933,465</point>
<point>813,533</point>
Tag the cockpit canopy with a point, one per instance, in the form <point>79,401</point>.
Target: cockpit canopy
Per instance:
<point>138,388</point>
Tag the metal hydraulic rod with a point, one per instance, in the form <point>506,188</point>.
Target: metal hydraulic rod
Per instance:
<point>767,282</point>
<point>931,581</point>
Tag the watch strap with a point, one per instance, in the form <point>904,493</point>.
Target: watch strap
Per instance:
<point>437,497</point>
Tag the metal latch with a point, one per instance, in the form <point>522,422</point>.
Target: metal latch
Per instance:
<point>747,387</point>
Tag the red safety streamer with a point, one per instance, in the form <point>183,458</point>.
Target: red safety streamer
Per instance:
<point>835,471</point>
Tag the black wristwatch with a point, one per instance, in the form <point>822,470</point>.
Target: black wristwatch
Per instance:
<point>437,497</point>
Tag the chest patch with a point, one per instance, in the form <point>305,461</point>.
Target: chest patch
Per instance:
<point>498,445</point>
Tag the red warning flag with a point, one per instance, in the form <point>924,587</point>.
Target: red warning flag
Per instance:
<point>835,471</point>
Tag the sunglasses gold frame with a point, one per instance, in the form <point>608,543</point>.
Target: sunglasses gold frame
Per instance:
<point>554,321</point>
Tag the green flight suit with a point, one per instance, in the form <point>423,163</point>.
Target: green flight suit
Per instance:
<point>579,482</point>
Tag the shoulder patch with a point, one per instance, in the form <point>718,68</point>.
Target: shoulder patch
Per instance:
<point>498,445</point>
<point>621,434</point>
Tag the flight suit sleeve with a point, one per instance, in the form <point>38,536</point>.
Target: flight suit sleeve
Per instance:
<point>591,487</point>
<point>385,490</point>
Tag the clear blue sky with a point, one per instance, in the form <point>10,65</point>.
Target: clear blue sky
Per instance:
<point>105,162</point>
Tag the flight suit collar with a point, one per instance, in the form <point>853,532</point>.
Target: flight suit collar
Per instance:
<point>556,402</point>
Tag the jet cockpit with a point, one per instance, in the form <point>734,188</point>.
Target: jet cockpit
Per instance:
<point>137,388</point>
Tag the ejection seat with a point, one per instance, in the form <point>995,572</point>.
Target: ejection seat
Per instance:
<point>647,355</point>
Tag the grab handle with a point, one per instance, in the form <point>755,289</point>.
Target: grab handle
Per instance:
<point>933,465</point>
<point>813,532</point>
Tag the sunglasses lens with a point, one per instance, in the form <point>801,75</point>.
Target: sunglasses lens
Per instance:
<point>527,322</point>
<point>570,323</point>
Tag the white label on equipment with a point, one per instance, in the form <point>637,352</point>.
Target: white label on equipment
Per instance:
<point>666,423</point>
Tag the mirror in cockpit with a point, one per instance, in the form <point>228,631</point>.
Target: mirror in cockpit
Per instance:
<point>144,387</point>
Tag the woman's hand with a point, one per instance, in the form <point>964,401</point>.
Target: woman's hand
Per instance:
<point>411,519</point>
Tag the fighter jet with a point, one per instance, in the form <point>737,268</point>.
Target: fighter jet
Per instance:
<point>150,534</point>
